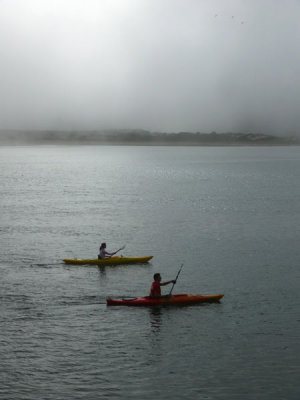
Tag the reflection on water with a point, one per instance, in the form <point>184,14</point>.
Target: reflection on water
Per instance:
<point>155,314</point>
<point>155,335</point>
<point>102,271</point>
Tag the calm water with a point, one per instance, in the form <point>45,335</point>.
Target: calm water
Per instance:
<point>231,215</point>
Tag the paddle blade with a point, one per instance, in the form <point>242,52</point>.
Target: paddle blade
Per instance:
<point>122,248</point>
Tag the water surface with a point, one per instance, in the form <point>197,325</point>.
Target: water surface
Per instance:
<point>231,215</point>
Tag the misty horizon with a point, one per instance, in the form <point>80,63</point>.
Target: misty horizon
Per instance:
<point>143,137</point>
<point>167,66</point>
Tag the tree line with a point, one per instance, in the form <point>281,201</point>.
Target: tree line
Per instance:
<point>141,137</point>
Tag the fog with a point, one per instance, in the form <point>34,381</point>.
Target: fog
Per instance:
<point>159,65</point>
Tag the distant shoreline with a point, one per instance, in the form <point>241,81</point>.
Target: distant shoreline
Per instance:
<point>140,144</point>
<point>141,138</point>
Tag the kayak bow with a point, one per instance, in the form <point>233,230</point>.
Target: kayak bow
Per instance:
<point>109,261</point>
<point>177,299</point>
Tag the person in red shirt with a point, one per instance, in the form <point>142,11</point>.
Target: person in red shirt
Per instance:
<point>156,284</point>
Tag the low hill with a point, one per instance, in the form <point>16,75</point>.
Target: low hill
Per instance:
<point>140,137</point>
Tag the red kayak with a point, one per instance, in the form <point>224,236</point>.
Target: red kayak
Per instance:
<point>177,299</point>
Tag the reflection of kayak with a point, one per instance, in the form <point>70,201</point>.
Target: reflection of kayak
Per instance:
<point>177,299</point>
<point>109,261</point>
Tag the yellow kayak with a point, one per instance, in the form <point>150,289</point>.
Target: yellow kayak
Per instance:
<point>109,261</point>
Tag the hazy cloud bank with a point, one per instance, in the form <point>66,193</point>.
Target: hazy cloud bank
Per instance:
<point>171,65</point>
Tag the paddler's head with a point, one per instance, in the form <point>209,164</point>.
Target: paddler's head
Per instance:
<point>157,277</point>
<point>103,245</point>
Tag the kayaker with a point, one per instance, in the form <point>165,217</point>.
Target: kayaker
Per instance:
<point>103,253</point>
<point>156,284</point>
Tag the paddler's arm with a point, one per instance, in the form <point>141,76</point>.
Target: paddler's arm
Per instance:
<point>167,282</point>
<point>108,255</point>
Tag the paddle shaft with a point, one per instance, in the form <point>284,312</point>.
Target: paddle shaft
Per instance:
<point>121,248</point>
<point>176,279</point>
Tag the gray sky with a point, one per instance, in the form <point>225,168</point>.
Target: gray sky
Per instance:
<point>160,65</point>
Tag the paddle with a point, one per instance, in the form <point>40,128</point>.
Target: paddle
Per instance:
<point>121,248</point>
<point>175,279</point>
